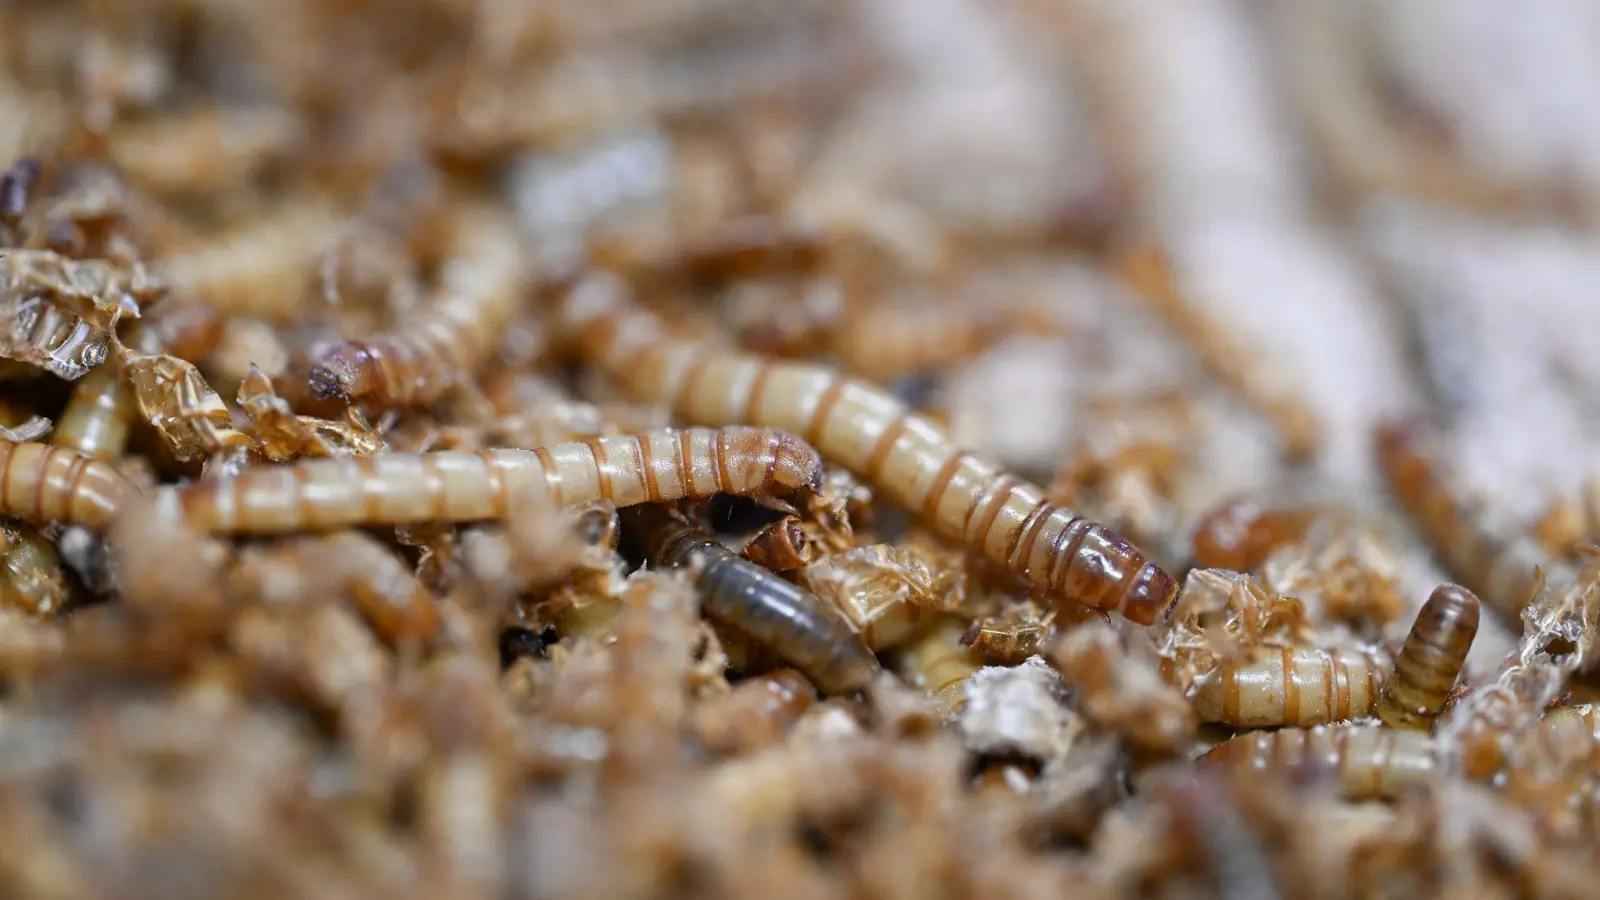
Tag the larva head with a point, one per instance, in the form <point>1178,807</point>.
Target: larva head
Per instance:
<point>346,370</point>
<point>791,463</point>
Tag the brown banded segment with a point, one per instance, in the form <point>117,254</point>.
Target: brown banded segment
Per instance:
<point>1500,570</point>
<point>1299,686</point>
<point>460,485</point>
<point>1431,659</point>
<point>40,484</point>
<point>1365,761</point>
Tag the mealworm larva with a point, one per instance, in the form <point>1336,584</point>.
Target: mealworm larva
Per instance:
<point>887,341</point>
<point>781,546</point>
<point>96,419</point>
<point>382,586</point>
<point>31,576</point>
<point>40,483</point>
<point>796,625</point>
<point>756,713</point>
<point>1431,660</point>
<point>461,327</point>
<point>205,150</point>
<point>937,661</point>
<point>1368,761</point>
<point>966,498</point>
<point>464,486</point>
<point>1239,533</point>
<point>1300,686</point>
<point>1147,271</point>
<point>1499,570</point>
<point>259,269</point>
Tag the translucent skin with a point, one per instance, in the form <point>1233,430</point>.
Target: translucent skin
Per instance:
<point>964,497</point>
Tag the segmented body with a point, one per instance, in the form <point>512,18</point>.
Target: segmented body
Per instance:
<point>795,624</point>
<point>1431,660</point>
<point>1499,570</point>
<point>464,486</point>
<point>464,323</point>
<point>937,661</point>
<point>98,416</point>
<point>1366,761</point>
<point>40,483</point>
<point>966,498</point>
<point>1300,686</point>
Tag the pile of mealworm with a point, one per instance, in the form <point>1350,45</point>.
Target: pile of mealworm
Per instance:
<point>822,448</point>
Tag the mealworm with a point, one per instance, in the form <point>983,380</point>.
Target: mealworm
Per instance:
<point>1239,533</point>
<point>1431,660</point>
<point>202,151</point>
<point>781,546</point>
<point>1147,271</point>
<point>937,661</point>
<point>40,483</point>
<point>1291,686</point>
<point>257,270</point>
<point>967,498</point>
<point>381,586</point>
<point>1367,761</point>
<point>98,416</point>
<point>460,328</point>
<point>796,625</point>
<point>465,486</point>
<point>31,576</point>
<point>1501,571</point>
<point>756,713</point>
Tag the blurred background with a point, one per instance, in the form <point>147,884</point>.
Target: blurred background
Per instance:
<point>1151,253</point>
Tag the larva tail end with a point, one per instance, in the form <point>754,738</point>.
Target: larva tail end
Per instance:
<point>1152,596</point>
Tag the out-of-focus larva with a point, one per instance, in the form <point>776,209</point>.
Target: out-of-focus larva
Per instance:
<point>462,486</point>
<point>1300,686</point>
<point>379,582</point>
<point>31,576</point>
<point>460,328</point>
<point>186,330</point>
<point>205,150</point>
<point>1431,660</point>
<point>282,436</point>
<point>963,496</point>
<point>887,341</point>
<point>755,714</point>
<point>40,483</point>
<point>1366,761</point>
<point>259,269</point>
<point>1497,569</point>
<point>1119,687</point>
<point>1145,268</point>
<point>782,546</point>
<point>1239,533</point>
<point>936,660</point>
<point>173,396</point>
<point>1571,523</point>
<point>796,625</point>
<point>98,415</point>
